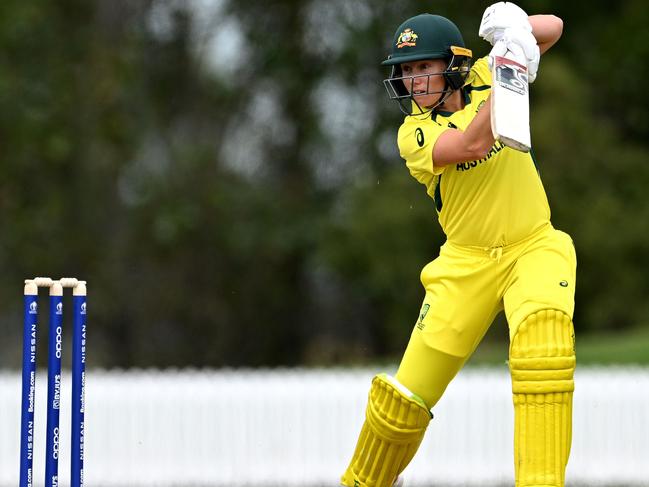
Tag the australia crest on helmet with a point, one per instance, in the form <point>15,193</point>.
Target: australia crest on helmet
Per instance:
<point>407,38</point>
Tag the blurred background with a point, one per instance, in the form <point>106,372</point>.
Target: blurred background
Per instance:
<point>225,176</point>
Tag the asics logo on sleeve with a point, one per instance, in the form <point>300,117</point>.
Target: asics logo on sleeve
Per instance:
<point>419,134</point>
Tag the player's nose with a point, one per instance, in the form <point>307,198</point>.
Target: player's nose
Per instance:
<point>422,83</point>
<point>419,81</point>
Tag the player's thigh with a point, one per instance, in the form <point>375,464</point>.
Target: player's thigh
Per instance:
<point>543,277</point>
<point>459,306</point>
<point>426,369</point>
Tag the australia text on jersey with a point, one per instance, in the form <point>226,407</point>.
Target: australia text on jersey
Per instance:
<point>466,166</point>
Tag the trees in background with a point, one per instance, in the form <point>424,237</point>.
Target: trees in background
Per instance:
<point>225,176</point>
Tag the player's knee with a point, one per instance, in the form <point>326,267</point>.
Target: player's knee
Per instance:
<point>395,423</point>
<point>394,412</point>
<point>542,354</point>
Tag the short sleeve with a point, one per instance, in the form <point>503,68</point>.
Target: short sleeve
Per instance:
<point>480,73</point>
<point>416,140</point>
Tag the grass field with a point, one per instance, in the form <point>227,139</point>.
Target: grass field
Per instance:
<point>623,348</point>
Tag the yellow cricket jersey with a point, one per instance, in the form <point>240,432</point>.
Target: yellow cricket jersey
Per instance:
<point>490,202</point>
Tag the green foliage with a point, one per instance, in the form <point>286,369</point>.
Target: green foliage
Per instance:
<point>229,185</point>
<point>595,183</point>
<point>379,237</point>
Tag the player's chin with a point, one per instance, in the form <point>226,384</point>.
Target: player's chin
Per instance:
<point>425,100</point>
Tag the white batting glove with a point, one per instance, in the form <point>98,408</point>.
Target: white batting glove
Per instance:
<point>500,16</point>
<point>523,46</point>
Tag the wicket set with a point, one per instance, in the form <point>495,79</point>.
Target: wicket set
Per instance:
<point>27,432</point>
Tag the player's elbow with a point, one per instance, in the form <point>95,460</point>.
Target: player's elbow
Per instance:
<point>556,27</point>
<point>550,29</point>
<point>478,149</point>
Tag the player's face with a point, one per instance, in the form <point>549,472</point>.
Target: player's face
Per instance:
<point>427,82</point>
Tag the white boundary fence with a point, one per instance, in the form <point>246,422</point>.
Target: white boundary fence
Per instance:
<point>298,428</point>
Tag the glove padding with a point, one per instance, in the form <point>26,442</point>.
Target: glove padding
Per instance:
<point>523,46</point>
<point>500,16</point>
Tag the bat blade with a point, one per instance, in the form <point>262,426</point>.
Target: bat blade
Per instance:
<point>510,103</point>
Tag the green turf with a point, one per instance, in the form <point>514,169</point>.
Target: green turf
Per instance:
<point>631,347</point>
<point>624,347</point>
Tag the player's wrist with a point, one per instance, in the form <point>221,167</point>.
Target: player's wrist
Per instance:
<point>524,44</point>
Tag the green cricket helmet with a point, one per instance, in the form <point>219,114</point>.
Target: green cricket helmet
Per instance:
<point>426,36</point>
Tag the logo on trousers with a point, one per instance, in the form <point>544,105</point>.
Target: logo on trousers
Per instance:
<point>422,315</point>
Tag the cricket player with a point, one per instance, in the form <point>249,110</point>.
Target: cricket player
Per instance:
<point>501,254</point>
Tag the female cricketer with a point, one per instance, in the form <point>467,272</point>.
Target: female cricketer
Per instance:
<point>501,254</point>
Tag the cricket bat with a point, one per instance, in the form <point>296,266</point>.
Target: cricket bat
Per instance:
<point>510,102</point>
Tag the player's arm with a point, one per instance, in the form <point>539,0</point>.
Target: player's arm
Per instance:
<point>547,30</point>
<point>454,146</point>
